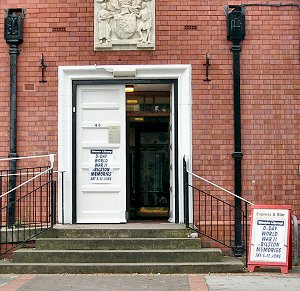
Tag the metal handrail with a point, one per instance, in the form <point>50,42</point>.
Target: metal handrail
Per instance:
<point>26,182</point>
<point>208,222</point>
<point>35,195</point>
<point>51,156</point>
<point>35,212</point>
<point>221,188</point>
<point>234,235</point>
<point>51,159</point>
<point>294,218</point>
<point>204,223</point>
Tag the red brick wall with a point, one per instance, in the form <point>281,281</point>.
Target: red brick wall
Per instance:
<point>270,85</point>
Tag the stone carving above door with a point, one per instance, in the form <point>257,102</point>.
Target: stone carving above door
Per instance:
<point>124,25</point>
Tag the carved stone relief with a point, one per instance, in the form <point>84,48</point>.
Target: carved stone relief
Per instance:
<point>124,24</point>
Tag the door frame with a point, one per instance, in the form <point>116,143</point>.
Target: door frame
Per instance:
<point>75,85</point>
<point>71,76</point>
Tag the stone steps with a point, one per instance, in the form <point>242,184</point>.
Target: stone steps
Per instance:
<point>117,243</point>
<point>226,266</point>
<point>119,249</point>
<point>230,266</point>
<point>116,233</point>
<point>116,256</point>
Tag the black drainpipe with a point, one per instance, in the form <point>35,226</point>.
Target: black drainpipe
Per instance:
<point>13,34</point>
<point>236,33</point>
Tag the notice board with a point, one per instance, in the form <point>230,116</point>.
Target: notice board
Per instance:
<point>270,239</point>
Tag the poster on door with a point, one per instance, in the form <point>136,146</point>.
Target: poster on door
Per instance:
<point>100,166</point>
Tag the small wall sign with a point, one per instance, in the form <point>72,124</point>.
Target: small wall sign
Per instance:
<point>114,134</point>
<point>270,237</point>
<point>100,166</point>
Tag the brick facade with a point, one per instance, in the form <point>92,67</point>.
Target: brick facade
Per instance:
<point>185,30</point>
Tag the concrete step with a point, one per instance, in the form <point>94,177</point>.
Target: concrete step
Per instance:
<point>230,265</point>
<point>116,256</point>
<point>125,248</point>
<point>117,243</point>
<point>116,233</point>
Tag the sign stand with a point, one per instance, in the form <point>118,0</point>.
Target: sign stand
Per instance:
<point>270,237</point>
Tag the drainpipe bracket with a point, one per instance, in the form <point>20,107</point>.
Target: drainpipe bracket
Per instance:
<point>12,155</point>
<point>236,47</point>
<point>237,155</point>
<point>238,251</point>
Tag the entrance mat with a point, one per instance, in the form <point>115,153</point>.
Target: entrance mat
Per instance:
<point>153,211</point>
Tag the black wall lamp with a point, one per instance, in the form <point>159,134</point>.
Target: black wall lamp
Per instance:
<point>207,65</point>
<point>43,66</point>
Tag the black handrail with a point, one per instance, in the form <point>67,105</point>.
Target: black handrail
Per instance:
<point>213,217</point>
<point>34,206</point>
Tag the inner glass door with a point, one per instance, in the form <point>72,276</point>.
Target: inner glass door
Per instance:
<point>153,175</point>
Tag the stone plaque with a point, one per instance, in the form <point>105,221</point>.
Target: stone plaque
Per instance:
<point>124,25</point>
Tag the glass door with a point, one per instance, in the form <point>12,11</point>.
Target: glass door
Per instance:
<point>152,173</point>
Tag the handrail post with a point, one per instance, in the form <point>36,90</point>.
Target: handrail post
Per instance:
<point>296,240</point>
<point>186,194</point>
<point>246,232</point>
<point>1,222</point>
<point>62,198</point>
<point>53,200</point>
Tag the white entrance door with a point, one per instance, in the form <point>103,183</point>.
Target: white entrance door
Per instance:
<point>100,154</point>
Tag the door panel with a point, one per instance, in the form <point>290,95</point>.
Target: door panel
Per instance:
<point>100,150</point>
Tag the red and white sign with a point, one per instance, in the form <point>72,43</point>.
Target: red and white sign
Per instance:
<point>270,237</point>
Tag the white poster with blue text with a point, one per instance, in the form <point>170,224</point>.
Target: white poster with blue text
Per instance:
<point>100,166</point>
<point>269,235</point>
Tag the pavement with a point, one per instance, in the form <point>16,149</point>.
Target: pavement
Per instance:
<point>264,280</point>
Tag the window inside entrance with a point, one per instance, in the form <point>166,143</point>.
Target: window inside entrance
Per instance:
<point>148,152</point>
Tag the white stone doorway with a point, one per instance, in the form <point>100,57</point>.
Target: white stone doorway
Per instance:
<point>70,80</point>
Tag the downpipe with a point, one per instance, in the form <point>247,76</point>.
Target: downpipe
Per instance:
<point>13,52</point>
<point>236,33</point>
<point>13,34</point>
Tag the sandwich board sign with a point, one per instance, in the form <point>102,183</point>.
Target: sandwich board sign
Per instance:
<point>270,239</point>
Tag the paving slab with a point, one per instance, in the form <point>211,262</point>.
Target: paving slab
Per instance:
<point>4,279</point>
<point>107,282</point>
<point>257,282</point>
